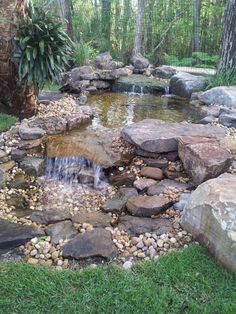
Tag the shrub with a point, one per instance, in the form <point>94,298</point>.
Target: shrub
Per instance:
<point>42,48</point>
<point>83,53</point>
<point>222,79</point>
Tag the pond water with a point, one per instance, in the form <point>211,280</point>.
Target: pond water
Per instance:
<point>114,110</point>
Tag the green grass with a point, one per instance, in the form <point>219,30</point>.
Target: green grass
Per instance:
<point>6,121</point>
<point>51,87</point>
<point>183,282</point>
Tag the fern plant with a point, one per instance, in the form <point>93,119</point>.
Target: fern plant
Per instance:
<point>42,48</point>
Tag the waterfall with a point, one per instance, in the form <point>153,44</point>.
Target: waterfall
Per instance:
<point>74,170</point>
<point>167,90</point>
<point>141,90</point>
<point>133,89</point>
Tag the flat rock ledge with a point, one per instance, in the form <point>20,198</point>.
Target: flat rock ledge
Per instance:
<point>155,136</point>
<point>210,216</point>
<point>95,243</point>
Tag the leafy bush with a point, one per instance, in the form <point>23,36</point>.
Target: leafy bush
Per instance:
<point>205,58</point>
<point>42,48</point>
<point>222,79</point>
<point>198,59</point>
<point>83,53</point>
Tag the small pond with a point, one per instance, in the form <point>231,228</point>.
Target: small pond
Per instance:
<point>114,110</point>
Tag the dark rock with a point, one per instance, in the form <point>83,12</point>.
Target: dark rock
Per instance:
<point>18,201</point>
<point>63,230</point>
<point>161,163</point>
<point>32,166</point>
<point>92,90</point>
<point>143,184</point>
<point>147,206</point>
<point>97,242</point>
<point>82,73</point>
<point>203,158</point>
<point>83,100</point>
<point>136,225</point>
<point>29,145</point>
<point>117,203</point>
<point>123,179</point>
<point>208,120</point>
<point>139,62</point>
<point>228,120</point>
<point>164,72</point>
<point>46,96</point>
<point>13,235</point>
<point>165,185</point>
<point>155,136</point>
<point>152,173</point>
<point>184,84</point>
<point>171,156</point>
<point>173,175</point>
<point>96,219</point>
<point>49,216</point>
<point>2,179</point>
<point>27,133</point>
<point>101,84</point>
<point>108,75</point>
<point>17,154</point>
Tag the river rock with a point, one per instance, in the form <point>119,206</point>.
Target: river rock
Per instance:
<point>104,61</point>
<point>96,219</point>
<point>17,154</point>
<point>3,156</point>
<point>13,235</point>
<point>165,185</point>
<point>155,136</point>
<point>164,72</point>
<point>126,71</point>
<point>203,158</point>
<point>161,163</point>
<point>223,96</point>
<point>27,133</point>
<point>63,230</point>
<point>122,179</point>
<point>213,111</point>
<point>147,206</point>
<point>208,120</point>
<point>97,242</point>
<point>101,84</point>
<point>142,184</point>
<point>85,72</point>
<point>184,84</point>
<point>136,225</point>
<point>33,166</point>
<point>117,203</point>
<point>47,217</point>
<point>108,75</point>
<point>50,124</point>
<point>211,218</point>
<point>228,120</point>
<point>230,144</point>
<point>139,62</point>
<point>2,179</point>
<point>152,173</point>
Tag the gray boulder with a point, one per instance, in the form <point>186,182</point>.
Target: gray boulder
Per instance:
<point>32,166</point>
<point>139,62</point>
<point>104,61</point>
<point>47,217</point>
<point>223,96</point>
<point>27,133</point>
<point>184,84</point>
<point>164,72</point>
<point>63,230</point>
<point>82,73</point>
<point>210,217</point>
<point>228,120</point>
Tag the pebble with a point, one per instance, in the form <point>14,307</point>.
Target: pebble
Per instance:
<point>32,261</point>
<point>127,265</point>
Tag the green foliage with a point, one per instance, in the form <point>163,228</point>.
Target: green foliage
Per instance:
<point>42,48</point>
<point>198,59</point>
<point>83,53</point>
<point>205,58</point>
<point>49,86</point>
<point>187,282</point>
<point>222,79</point>
<point>6,121</point>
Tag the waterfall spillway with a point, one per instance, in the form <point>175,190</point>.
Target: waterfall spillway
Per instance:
<point>74,170</point>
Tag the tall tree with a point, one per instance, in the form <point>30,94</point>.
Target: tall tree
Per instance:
<point>196,43</point>
<point>64,10</point>
<point>13,97</point>
<point>106,20</point>
<point>139,27</point>
<point>126,17</point>
<point>228,47</point>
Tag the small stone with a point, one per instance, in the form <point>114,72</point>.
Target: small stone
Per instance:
<point>160,243</point>
<point>55,255</point>
<point>32,261</point>
<point>152,173</point>
<point>33,252</point>
<point>173,240</point>
<point>127,265</point>
<point>141,255</point>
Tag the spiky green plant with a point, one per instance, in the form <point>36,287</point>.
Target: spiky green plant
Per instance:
<point>227,78</point>
<point>42,48</point>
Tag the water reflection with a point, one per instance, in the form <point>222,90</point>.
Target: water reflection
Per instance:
<point>114,110</point>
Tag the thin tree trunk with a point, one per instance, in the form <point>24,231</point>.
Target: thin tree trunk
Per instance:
<point>139,27</point>
<point>64,11</point>
<point>196,43</point>
<point>106,20</point>
<point>228,47</point>
<point>13,97</point>
<point>126,17</point>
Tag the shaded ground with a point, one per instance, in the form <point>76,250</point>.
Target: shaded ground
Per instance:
<point>183,282</point>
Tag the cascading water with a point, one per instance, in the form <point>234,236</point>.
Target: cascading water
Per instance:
<point>74,171</point>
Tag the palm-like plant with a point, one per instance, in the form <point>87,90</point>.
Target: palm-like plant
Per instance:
<point>42,48</point>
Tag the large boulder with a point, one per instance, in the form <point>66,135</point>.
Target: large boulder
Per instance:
<point>155,136</point>
<point>203,158</point>
<point>184,84</point>
<point>104,61</point>
<point>33,166</point>
<point>82,73</point>
<point>228,120</point>
<point>210,216</point>
<point>108,75</point>
<point>95,243</point>
<point>50,124</point>
<point>13,235</point>
<point>224,96</point>
<point>27,133</point>
<point>139,62</point>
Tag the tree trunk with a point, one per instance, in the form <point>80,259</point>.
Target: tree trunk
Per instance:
<point>14,98</point>
<point>196,43</point>
<point>228,46</point>
<point>106,20</point>
<point>139,27</point>
<point>64,10</point>
<point>126,17</point>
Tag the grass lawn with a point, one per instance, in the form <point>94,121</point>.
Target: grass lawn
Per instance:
<point>183,282</point>
<point>51,87</point>
<point>6,121</point>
